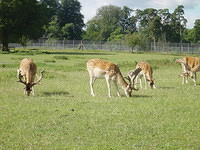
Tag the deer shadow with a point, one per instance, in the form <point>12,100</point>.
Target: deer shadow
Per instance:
<point>57,93</point>
<point>142,96</point>
<point>166,87</point>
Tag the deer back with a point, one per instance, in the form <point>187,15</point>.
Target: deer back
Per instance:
<point>28,70</point>
<point>192,61</point>
<point>146,68</point>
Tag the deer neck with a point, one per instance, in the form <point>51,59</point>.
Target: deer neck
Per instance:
<point>121,81</point>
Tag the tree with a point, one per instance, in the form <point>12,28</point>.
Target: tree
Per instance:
<point>155,29</point>
<point>52,30</point>
<point>145,16</point>
<point>104,23</point>
<point>189,35</point>
<point>178,24</point>
<point>197,30</point>
<point>92,31</point>
<point>15,20</point>
<point>117,35</point>
<point>165,18</point>
<point>149,23</point>
<point>127,21</point>
<point>69,13</point>
<point>52,5</point>
<point>135,40</point>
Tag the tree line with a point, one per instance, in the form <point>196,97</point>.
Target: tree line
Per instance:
<point>23,20</point>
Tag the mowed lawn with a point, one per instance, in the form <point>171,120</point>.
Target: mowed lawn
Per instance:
<point>63,115</point>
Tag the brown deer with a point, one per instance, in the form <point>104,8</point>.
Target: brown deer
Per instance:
<point>190,65</point>
<point>98,68</point>
<point>26,75</point>
<point>146,73</point>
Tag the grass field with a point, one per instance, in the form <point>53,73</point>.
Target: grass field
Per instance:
<point>63,115</point>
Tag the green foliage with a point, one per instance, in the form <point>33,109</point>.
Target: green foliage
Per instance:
<point>116,35</point>
<point>127,21</point>
<point>67,23</point>
<point>136,41</point>
<point>104,23</point>
<point>69,15</point>
<point>197,30</point>
<point>15,20</point>
<point>155,28</point>
<point>23,41</point>
<point>92,32</point>
<point>52,30</point>
<point>189,35</point>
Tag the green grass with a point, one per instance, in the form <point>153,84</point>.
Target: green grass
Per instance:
<point>63,115</point>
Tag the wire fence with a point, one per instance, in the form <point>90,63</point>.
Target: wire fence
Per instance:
<point>183,48</point>
<point>188,48</point>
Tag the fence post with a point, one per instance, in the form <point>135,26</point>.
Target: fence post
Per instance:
<point>63,43</point>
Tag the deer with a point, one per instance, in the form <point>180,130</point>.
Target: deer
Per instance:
<point>146,73</point>
<point>26,75</point>
<point>190,65</point>
<point>98,68</point>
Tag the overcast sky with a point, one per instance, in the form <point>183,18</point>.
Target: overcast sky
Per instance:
<point>192,7</point>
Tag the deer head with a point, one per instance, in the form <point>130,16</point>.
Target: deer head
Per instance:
<point>132,76</point>
<point>28,86</point>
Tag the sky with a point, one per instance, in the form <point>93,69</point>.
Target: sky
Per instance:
<point>191,7</point>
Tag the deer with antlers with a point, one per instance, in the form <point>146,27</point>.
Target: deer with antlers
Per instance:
<point>26,75</point>
<point>98,68</point>
<point>146,73</point>
<point>190,65</point>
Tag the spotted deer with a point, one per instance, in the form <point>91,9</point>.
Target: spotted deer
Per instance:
<point>146,73</point>
<point>26,75</point>
<point>98,68</point>
<point>190,65</point>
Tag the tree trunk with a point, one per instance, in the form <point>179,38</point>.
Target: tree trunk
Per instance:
<point>5,46</point>
<point>154,43</point>
<point>5,42</point>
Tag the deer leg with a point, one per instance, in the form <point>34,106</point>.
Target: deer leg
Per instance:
<point>118,94</point>
<point>92,80</point>
<point>185,78</point>
<point>136,82</point>
<point>25,92</point>
<point>145,81</point>
<point>18,73</point>
<point>140,82</point>
<point>194,78</point>
<point>108,85</point>
<point>33,91</point>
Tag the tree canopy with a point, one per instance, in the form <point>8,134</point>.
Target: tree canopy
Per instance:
<point>67,22</point>
<point>21,18</point>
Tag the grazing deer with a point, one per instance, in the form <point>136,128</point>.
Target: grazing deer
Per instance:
<point>146,73</point>
<point>190,65</point>
<point>27,71</point>
<point>98,68</point>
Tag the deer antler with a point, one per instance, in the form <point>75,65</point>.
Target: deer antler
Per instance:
<point>128,78</point>
<point>42,72</point>
<point>20,78</point>
<point>136,72</point>
<point>132,76</point>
